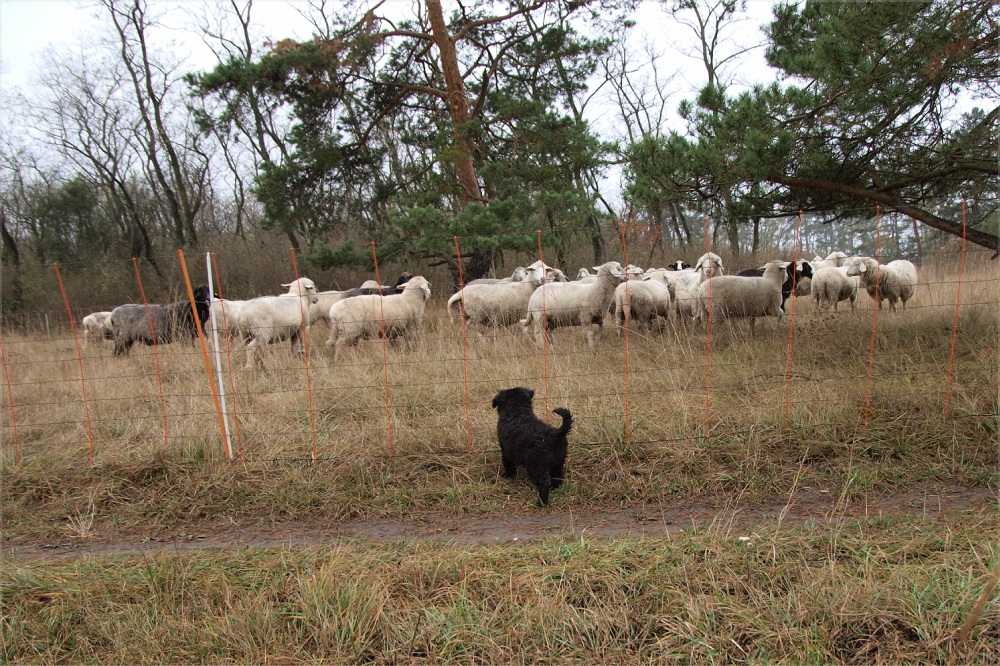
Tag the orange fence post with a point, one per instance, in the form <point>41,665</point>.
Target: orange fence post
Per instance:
<point>10,402</point>
<point>385,352</point>
<point>708,340</point>
<point>465,351</point>
<point>954,329</point>
<point>305,354</point>
<point>229,359</point>
<point>208,364</point>
<point>545,332</point>
<point>79,358</point>
<point>628,322</point>
<point>156,353</point>
<point>791,327</point>
<point>871,346</point>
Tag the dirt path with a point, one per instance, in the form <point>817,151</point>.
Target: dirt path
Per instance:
<point>806,506</point>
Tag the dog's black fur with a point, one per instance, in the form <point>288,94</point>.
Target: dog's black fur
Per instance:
<point>529,442</point>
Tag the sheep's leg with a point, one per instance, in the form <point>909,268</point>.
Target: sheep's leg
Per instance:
<point>251,353</point>
<point>122,348</point>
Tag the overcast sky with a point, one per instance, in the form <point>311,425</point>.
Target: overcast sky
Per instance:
<point>29,27</point>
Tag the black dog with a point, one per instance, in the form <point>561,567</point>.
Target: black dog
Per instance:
<point>529,442</point>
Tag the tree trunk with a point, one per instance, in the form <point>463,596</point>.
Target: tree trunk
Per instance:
<point>9,244</point>
<point>734,236</point>
<point>916,237</point>
<point>458,104</point>
<point>596,240</point>
<point>756,237</point>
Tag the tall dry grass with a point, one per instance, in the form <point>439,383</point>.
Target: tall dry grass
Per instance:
<point>751,432</point>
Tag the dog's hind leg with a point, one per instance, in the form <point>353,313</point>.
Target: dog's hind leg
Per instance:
<point>509,467</point>
<point>556,472</point>
<point>541,480</point>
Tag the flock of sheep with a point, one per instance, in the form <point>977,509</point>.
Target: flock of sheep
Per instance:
<point>537,298</point>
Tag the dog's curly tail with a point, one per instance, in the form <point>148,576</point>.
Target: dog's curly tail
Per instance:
<point>567,418</point>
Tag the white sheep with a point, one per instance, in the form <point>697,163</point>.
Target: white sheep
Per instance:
<point>735,296</point>
<point>320,309</point>
<point>896,280</point>
<point>573,304</point>
<point>803,286</point>
<point>496,304</point>
<point>551,274</point>
<point>520,274</point>
<point>832,285</point>
<point>224,316</point>
<point>361,317</point>
<point>645,301</point>
<point>97,326</point>
<point>274,318</point>
<point>683,283</point>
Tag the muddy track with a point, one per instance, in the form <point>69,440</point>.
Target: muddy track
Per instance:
<point>807,506</point>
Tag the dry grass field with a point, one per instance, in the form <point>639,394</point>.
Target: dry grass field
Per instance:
<point>737,427</point>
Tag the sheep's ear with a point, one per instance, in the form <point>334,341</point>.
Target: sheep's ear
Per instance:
<point>531,394</point>
<point>862,268</point>
<point>497,401</point>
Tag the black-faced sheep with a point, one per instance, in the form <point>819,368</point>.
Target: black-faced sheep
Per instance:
<point>573,304</point>
<point>130,323</point>
<point>797,274</point>
<point>362,317</point>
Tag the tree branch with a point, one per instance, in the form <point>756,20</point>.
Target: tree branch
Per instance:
<point>976,236</point>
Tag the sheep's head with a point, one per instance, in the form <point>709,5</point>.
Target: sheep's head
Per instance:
<point>861,266</point>
<point>632,271</point>
<point>582,273</point>
<point>301,287</point>
<point>838,258</point>
<point>678,266</point>
<point>419,284</point>
<point>710,265</point>
<point>520,274</point>
<point>611,268</point>
<point>555,275</point>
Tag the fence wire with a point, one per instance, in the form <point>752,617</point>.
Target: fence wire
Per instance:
<point>646,386</point>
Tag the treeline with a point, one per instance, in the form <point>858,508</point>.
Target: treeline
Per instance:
<point>480,123</point>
